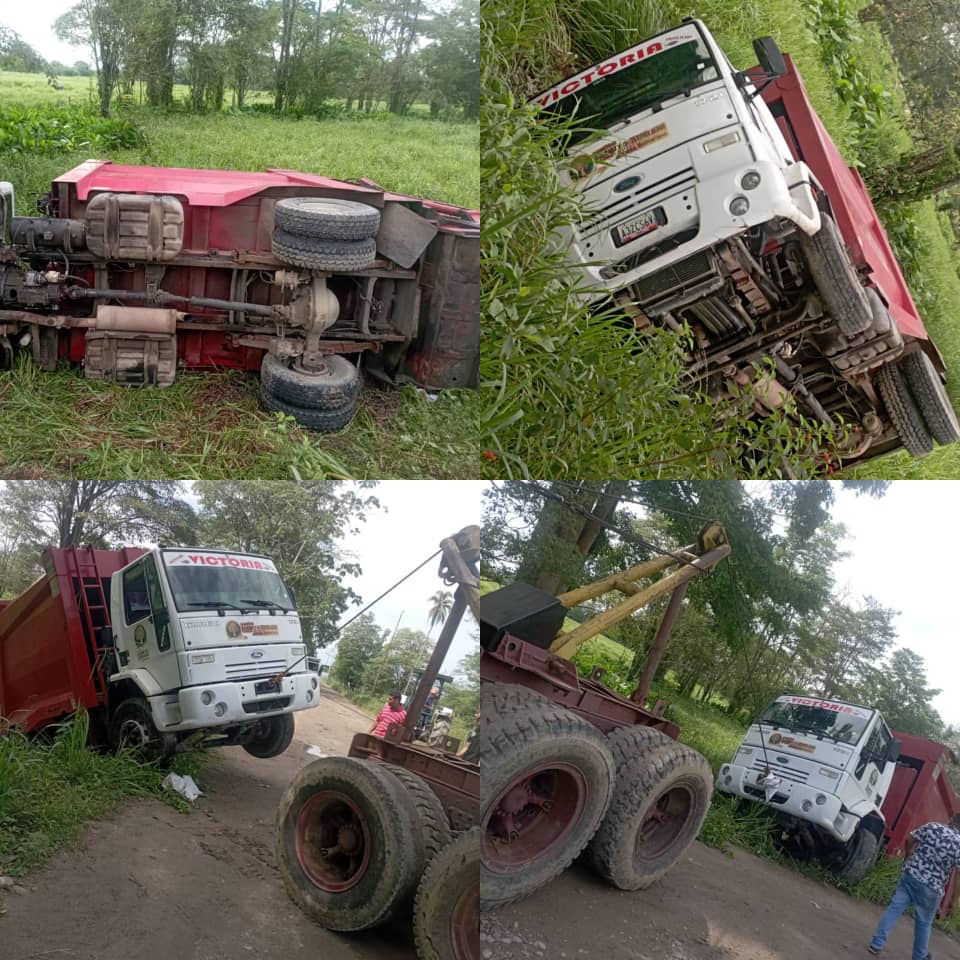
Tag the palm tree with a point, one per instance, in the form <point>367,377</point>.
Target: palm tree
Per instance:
<point>440,604</point>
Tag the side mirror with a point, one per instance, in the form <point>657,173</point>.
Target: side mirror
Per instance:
<point>893,750</point>
<point>293,596</point>
<point>769,56</point>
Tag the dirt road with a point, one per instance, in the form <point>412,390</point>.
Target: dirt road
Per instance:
<point>709,907</point>
<point>156,884</point>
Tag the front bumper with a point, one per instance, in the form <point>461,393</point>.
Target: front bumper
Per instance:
<point>230,703</point>
<point>790,799</point>
<point>703,207</point>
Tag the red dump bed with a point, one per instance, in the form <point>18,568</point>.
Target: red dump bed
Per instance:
<point>49,654</point>
<point>919,793</point>
<point>852,207</point>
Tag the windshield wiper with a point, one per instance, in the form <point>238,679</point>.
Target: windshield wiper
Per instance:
<point>267,603</point>
<point>683,91</point>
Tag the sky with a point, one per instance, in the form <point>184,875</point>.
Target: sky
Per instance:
<point>417,515</point>
<point>36,27</point>
<point>901,550</point>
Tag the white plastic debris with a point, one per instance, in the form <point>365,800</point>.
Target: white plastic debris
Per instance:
<point>185,786</point>
<point>315,752</point>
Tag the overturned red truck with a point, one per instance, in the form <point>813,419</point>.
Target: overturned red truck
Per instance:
<point>136,272</point>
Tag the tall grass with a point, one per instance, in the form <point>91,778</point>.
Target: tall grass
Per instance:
<point>50,787</point>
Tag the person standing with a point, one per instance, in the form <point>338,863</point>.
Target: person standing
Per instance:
<point>933,851</point>
<point>391,712</point>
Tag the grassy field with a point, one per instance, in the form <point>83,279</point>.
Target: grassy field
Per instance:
<point>210,425</point>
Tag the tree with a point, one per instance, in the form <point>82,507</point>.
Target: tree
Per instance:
<point>440,604</point>
<point>451,63</point>
<point>463,695</point>
<point>299,525</point>
<point>17,54</point>
<point>284,67</point>
<point>394,666</point>
<point>105,26</point>
<point>899,690</point>
<point>359,643</point>
<point>101,513</point>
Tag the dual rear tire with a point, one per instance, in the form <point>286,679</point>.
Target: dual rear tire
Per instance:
<point>552,785</point>
<point>325,400</point>
<point>359,842</point>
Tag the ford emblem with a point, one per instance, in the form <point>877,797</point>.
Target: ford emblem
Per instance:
<point>628,183</point>
<point>256,654</point>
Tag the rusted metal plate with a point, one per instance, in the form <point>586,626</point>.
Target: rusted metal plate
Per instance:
<point>514,661</point>
<point>403,236</point>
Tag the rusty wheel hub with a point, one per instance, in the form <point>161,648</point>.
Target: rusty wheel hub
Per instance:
<point>465,924</point>
<point>332,841</point>
<point>533,815</point>
<point>663,824</point>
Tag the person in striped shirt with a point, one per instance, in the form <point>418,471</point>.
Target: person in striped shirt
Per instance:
<point>391,712</point>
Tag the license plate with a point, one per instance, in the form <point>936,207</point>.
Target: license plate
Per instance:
<point>637,227</point>
<point>267,686</point>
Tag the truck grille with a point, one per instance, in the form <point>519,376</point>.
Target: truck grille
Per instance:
<point>646,195</point>
<point>781,770</point>
<point>249,669</point>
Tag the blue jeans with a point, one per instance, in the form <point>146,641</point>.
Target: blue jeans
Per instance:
<point>925,901</point>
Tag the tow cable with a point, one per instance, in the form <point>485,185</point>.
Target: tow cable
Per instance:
<point>277,678</point>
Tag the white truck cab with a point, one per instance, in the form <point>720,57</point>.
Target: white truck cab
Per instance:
<point>823,767</point>
<point>203,636</point>
<point>676,153</point>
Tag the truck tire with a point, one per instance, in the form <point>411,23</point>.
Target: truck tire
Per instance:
<point>547,780</point>
<point>335,385</point>
<point>836,279</point>
<point>323,421</point>
<point>132,728</point>
<point>434,823</point>
<point>270,736</point>
<point>661,799</point>
<point>904,415</point>
<point>863,848</point>
<point>347,843</point>
<point>336,256</point>
<point>446,915</point>
<point>630,743</point>
<point>326,218</point>
<point>928,391</point>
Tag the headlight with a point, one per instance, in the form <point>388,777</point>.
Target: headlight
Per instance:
<point>750,180</point>
<point>220,709</point>
<point>830,774</point>
<point>202,657</point>
<point>314,683</point>
<point>309,695</point>
<point>206,698</point>
<point>821,799</point>
<point>298,651</point>
<point>726,768</point>
<point>805,806</point>
<point>727,140</point>
<point>739,206</point>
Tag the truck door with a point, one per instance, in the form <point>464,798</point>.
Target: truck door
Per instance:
<point>872,762</point>
<point>146,634</point>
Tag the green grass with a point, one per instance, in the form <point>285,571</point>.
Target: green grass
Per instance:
<point>209,424</point>
<point>50,788</point>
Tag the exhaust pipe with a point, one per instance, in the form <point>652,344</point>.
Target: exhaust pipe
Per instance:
<point>6,210</point>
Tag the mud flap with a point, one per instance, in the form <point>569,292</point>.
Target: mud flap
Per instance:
<point>135,359</point>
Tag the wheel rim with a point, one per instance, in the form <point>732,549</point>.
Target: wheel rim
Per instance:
<point>332,841</point>
<point>134,734</point>
<point>663,824</point>
<point>465,924</point>
<point>533,815</point>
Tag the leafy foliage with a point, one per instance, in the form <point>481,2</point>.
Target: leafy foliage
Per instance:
<point>359,643</point>
<point>50,129</point>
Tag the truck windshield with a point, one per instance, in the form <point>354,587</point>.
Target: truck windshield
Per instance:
<point>838,721</point>
<point>224,579</point>
<point>636,79</point>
